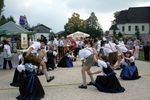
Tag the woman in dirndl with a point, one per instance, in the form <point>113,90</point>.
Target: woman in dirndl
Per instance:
<point>107,82</point>
<point>129,69</point>
<point>30,87</point>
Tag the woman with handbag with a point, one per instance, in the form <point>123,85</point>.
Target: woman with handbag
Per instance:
<point>7,53</point>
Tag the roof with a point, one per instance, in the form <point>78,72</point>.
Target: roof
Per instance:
<point>113,27</point>
<point>11,28</point>
<point>42,26</point>
<point>134,15</point>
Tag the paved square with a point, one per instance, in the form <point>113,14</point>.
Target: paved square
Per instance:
<point>65,85</point>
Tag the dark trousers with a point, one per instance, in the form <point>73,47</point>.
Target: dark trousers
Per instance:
<point>60,52</point>
<point>5,63</point>
<point>50,60</point>
<point>146,52</point>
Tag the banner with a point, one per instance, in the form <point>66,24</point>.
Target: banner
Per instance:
<point>24,41</point>
<point>23,22</point>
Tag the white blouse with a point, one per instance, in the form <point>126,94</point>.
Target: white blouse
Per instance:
<point>7,50</point>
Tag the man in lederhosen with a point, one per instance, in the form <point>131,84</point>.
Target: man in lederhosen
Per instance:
<point>86,55</point>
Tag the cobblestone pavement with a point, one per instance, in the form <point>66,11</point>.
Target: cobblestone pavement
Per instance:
<point>65,85</point>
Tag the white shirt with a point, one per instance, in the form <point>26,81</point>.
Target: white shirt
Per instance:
<point>80,44</point>
<point>6,50</point>
<point>98,45</point>
<point>36,46</point>
<point>55,42</point>
<point>121,42</point>
<point>132,59</point>
<point>111,46</point>
<point>102,64</point>
<point>121,48</point>
<point>61,43</point>
<point>84,53</point>
<point>106,51</point>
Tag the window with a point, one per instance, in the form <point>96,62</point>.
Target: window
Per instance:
<point>129,28</point>
<point>136,28</point>
<point>123,28</point>
<point>143,28</point>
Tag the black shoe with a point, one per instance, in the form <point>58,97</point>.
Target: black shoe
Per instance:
<point>117,68</point>
<point>4,68</point>
<point>50,78</point>
<point>49,69</point>
<point>14,84</point>
<point>90,83</point>
<point>39,72</point>
<point>83,87</point>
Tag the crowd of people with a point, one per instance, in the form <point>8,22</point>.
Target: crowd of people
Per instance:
<point>42,56</point>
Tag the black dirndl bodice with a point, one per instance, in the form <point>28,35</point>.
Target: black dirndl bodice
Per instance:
<point>108,82</point>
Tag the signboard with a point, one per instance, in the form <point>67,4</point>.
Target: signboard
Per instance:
<point>24,41</point>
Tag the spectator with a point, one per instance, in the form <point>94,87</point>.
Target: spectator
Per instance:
<point>146,50</point>
<point>7,53</point>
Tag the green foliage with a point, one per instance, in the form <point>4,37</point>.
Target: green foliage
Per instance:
<point>1,6</point>
<point>90,26</point>
<point>114,34</point>
<point>116,14</point>
<point>4,20</point>
<point>120,35</point>
<point>74,24</point>
<point>93,27</point>
<point>137,33</point>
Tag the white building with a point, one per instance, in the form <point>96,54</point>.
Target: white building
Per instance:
<point>132,20</point>
<point>41,29</point>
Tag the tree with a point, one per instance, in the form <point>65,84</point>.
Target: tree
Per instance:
<point>120,35</point>
<point>137,33</point>
<point>4,20</point>
<point>74,24</point>
<point>1,6</point>
<point>92,26</point>
<point>116,14</point>
<point>11,19</point>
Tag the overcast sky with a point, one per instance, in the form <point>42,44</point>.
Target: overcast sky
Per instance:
<point>55,13</point>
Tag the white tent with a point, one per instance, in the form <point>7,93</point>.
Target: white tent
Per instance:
<point>78,34</point>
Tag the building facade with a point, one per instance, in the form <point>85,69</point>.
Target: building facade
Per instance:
<point>41,29</point>
<point>135,19</point>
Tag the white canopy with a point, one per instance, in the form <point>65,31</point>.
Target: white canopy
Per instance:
<point>78,34</point>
